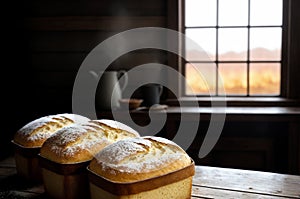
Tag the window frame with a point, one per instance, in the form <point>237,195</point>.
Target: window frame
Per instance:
<point>290,74</point>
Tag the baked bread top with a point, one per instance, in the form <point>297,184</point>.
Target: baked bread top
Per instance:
<point>120,128</point>
<point>37,131</point>
<point>138,159</point>
<point>79,143</point>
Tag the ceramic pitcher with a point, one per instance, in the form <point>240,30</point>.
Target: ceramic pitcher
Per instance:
<point>105,99</point>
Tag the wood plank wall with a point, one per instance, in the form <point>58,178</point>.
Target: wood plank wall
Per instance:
<point>51,39</point>
<point>294,49</point>
<point>63,32</point>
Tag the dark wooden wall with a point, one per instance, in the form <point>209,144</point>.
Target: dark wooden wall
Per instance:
<point>294,49</point>
<point>62,33</point>
<point>46,42</point>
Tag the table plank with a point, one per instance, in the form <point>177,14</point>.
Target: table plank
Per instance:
<point>257,182</point>
<point>5,171</point>
<point>211,193</point>
<point>208,183</point>
<point>8,162</point>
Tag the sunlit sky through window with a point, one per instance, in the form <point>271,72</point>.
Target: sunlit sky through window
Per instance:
<point>226,30</point>
<point>234,13</point>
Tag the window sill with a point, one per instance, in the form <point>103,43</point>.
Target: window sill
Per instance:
<point>236,101</point>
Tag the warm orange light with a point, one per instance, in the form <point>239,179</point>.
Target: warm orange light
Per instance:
<point>264,78</point>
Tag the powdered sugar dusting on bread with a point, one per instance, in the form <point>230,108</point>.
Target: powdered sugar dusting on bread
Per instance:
<point>37,131</point>
<point>115,153</point>
<point>80,141</point>
<point>68,134</point>
<point>139,154</point>
<point>79,119</point>
<point>118,125</point>
<point>71,139</point>
<point>162,141</point>
<point>28,128</point>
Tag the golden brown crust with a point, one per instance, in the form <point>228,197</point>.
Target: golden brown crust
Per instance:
<point>79,143</point>
<point>138,159</point>
<point>37,131</point>
<point>73,144</point>
<point>115,126</point>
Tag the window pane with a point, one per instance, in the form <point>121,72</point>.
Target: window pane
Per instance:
<point>200,12</point>
<point>265,44</point>
<point>206,39</point>
<point>265,12</point>
<point>233,12</point>
<point>228,46</point>
<point>200,78</point>
<point>265,79</point>
<point>232,44</point>
<point>234,78</point>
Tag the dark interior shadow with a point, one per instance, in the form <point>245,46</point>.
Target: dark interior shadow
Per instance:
<point>15,182</point>
<point>11,185</point>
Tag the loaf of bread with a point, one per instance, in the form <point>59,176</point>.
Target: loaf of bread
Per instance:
<point>138,159</point>
<point>37,131</point>
<point>29,139</point>
<point>150,167</point>
<point>66,154</point>
<point>78,143</point>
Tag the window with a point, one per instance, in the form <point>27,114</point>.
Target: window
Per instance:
<point>242,38</point>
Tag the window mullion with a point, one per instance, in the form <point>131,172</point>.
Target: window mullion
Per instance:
<point>248,51</point>
<point>217,49</point>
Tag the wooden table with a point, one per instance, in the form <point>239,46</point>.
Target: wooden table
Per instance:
<point>208,182</point>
